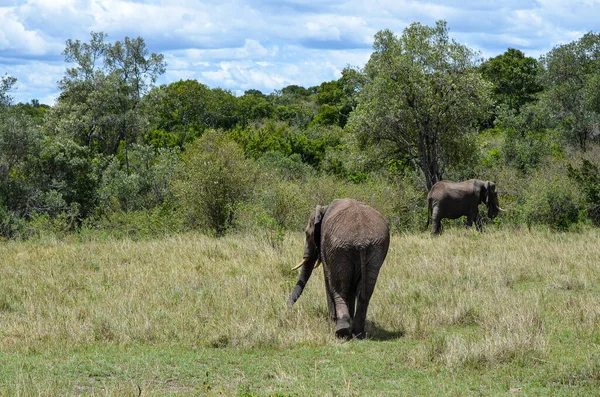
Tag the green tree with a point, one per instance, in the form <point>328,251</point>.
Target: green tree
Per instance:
<point>20,145</point>
<point>214,179</point>
<point>178,113</point>
<point>7,84</point>
<point>571,76</point>
<point>146,186</point>
<point>514,76</point>
<point>335,103</point>
<point>100,94</point>
<point>422,97</point>
<point>253,106</point>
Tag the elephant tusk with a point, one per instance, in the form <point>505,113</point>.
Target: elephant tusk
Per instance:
<point>299,265</point>
<point>318,263</point>
<point>500,209</point>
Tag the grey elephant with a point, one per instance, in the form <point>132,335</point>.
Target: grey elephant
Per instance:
<point>351,239</point>
<point>452,200</point>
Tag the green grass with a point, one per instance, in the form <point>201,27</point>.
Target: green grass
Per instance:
<point>461,314</point>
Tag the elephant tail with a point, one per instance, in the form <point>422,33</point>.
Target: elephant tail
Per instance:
<point>363,272</point>
<point>428,213</point>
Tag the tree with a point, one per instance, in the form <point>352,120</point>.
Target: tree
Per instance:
<point>215,178</point>
<point>7,84</point>
<point>100,94</point>
<point>514,76</point>
<point>253,107</point>
<point>133,71</point>
<point>335,102</point>
<point>178,113</point>
<point>422,96</point>
<point>571,76</point>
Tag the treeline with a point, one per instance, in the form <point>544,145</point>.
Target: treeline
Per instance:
<point>118,154</point>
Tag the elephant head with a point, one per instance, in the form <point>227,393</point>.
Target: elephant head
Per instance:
<point>312,252</point>
<point>489,196</point>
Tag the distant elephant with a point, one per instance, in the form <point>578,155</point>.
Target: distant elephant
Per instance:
<point>351,239</point>
<point>454,199</point>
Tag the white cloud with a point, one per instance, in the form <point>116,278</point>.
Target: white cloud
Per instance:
<point>267,44</point>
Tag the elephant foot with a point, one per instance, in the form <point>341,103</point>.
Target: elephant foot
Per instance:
<point>342,328</point>
<point>358,332</point>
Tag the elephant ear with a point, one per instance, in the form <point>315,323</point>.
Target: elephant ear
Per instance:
<point>319,212</point>
<point>485,192</point>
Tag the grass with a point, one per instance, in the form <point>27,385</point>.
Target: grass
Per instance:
<point>462,314</point>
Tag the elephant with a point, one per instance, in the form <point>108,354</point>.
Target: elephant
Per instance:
<point>454,199</point>
<point>351,239</point>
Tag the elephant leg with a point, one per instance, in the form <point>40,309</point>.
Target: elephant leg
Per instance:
<point>330,301</point>
<point>342,325</point>
<point>469,222</point>
<point>436,221</point>
<point>359,321</point>
<point>352,304</point>
<point>478,223</point>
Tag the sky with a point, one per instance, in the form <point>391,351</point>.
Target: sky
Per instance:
<point>267,45</point>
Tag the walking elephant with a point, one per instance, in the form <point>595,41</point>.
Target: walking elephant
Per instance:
<point>454,199</point>
<point>351,239</point>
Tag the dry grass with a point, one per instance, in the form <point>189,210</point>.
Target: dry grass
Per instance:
<point>462,300</point>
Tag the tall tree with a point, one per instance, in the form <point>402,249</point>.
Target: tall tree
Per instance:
<point>133,71</point>
<point>7,84</point>
<point>101,92</point>
<point>514,76</point>
<point>571,77</point>
<point>422,95</point>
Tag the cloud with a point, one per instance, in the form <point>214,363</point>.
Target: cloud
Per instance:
<point>267,44</point>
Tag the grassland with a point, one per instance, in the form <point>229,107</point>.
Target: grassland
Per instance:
<point>508,311</point>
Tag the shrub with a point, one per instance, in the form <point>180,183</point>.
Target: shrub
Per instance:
<point>159,221</point>
<point>588,178</point>
<point>214,179</point>
<point>289,168</point>
<point>553,202</point>
<point>146,186</point>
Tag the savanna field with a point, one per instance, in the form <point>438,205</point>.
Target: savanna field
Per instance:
<point>505,311</point>
<point>148,232</point>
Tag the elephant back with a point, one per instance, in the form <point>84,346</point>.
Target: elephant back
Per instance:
<point>353,223</point>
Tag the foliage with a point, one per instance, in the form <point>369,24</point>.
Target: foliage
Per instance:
<point>160,221</point>
<point>105,154</point>
<point>253,106</point>
<point>570,78</point>
<point>310,144</point>
<point>100,94</point>
<point>70,171</point>
<point>553,202</point>
<point>146,186</point>
<point>178,113</point>
<point>20,147</point>
<point>290,168</point>
<point>514,76</point>
<point>335,99</point>
<point>587,177</point>
<point>7,84</point>
<point>422,93</point>
<point>213,180</point>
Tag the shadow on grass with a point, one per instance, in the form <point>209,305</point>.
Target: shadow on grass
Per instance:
<point>375,332</point>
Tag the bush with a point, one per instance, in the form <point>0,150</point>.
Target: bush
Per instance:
<point>10,225</point>
<point>159,221</point>
<point>214,179</point>
<point>588,178</point>
<point>553,202</point>
<point>146,186</point>
<point>288,168</point>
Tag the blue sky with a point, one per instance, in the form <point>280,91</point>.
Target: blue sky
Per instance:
<point>267,45</point>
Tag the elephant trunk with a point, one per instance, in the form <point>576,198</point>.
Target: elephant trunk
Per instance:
<point>308,264</point>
